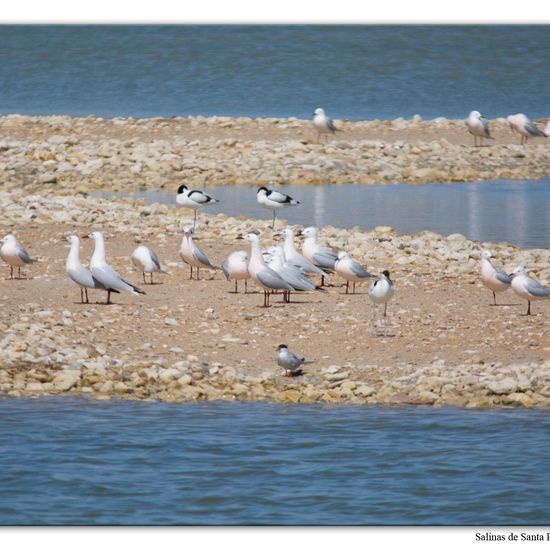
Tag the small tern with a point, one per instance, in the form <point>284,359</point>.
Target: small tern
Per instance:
<point>290,362</point>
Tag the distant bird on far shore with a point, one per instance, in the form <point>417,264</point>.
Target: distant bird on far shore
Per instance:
<point>14,254</point>
<point>192,198</point>
<point>528,288</point>
<point>381,292</point>
<point>323,124</point>
<point>525,127</point>
<point>290,362</point>
<point>146,261</point>
<point>493,278</point>
<point>478,126</point>
<point>273,200</point>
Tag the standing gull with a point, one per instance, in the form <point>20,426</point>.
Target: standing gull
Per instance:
<point>192,254</point>
<point>266,278</point>
<point>295,258</point>
<point>14,254</point>
<point>146,261</point>
<point>528,288</point>
<point>525,127</point>
<point>292,274</point>
<point>381,292</point>
<point>192,198</point>
<point>350,270</point>
<point>478,126</point>
<point>323,123</point>
<point>273,200</point>
<point>103,274</point>
<point>78,273</point>
<point>290,362</point>
<point>321,256</point>
<point>235,267</point>
<point>492,277</point>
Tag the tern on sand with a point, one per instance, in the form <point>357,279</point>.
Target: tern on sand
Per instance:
<point>192,254</point>
<point>103,274</point>
<point>146,261</point>
<point>78,273</point>
<point>321,256</point>
<point>528,288</point>
<point>14,254</point>
<point>478,126</point>
<point>381,292</point>
<point>525,127</point>
<point>235,267</point>
<point>492,277</point>
<point>273,200</point>
<point>261,273</point>
<point>351,270</point>
<point>192,198</point>
<point>290,362</point>
<point>323,123</point>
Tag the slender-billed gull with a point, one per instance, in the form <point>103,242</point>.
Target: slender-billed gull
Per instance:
<point>192,254</point>
<point>290,362</point>
<point>323,123</point>
<point>235,267</point>
<point>528,288</point>
<point>146,261</point>
<point>351,270</point>
<point>273,200</point>
<point>321,256</point>
<point>292,274</point>
<point>294,257</point>
<point>78,273</point>
<point>525,127</point>
<point>14,254</point>
<point>104,274</point>
<point>478,126</point>
<point>381,292</point>
<point>193,198</point>
<point>492,277</point>
<point>261,273</point>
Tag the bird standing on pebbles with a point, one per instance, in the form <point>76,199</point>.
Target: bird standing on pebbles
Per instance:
<point>528,288</point>
<point>146,261</point>
<point>351,270</point>
<point>192,254</point>
<point>524,126</point>
<point>381,292</point>
<point>492,277</point>
<point>78,273</point>
<point>14,254</point>
<point>321,256</point>
<point>290,362</point>
<point>192,198</point>
<point>478,126</point>
<point>323,124</point>
<point>273,200</point>
<point>236,267</point>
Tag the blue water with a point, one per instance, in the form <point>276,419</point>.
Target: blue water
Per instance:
<point>356,71</point>
<point>73,461</point>
<point>496,211</point>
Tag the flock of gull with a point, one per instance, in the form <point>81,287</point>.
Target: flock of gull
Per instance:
<point>278,269</point>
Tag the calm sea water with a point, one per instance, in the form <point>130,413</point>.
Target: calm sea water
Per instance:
<point>357,71</point>
<point>498,211</point>
<point>73,461</point>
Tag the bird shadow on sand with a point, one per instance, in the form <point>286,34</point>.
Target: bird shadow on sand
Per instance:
<point>295,374</point>
<point>501,305</point>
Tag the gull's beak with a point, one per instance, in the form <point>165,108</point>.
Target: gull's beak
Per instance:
<point>239,237</point>
<point>84,236</point>
<point>298,233</point>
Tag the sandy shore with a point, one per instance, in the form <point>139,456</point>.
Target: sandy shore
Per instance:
<point>190,340</point>
<point>82,154</point>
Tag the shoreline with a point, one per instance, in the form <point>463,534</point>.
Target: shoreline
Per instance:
<point>195,340</point>
<point>70,154</point>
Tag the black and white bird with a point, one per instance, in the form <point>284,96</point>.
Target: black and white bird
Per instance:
<point>103,274</point>
<point>192,198</point>
<point>146,261</point>
<point>323,123</point>
<point>290,362</point>
<point>528,288</point>
<point>14,254</point>
<point>381,292</point>
<point>273,200</point>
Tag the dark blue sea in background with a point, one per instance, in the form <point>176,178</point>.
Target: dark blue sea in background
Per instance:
<point>73,461</point>
<point>357,71</point>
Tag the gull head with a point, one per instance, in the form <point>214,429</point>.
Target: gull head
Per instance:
<point>319,112</point>
<point>309,232</point>
<point>8,239</point>
<point>288,233</point>
<point>520,270</point>
<point>486,254</point>
<point>96,236</point>
<point>342,254</point>
<point>475,114</point>
<point>252,237</point>
<point>72,239</point>
<point>188,231</point>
